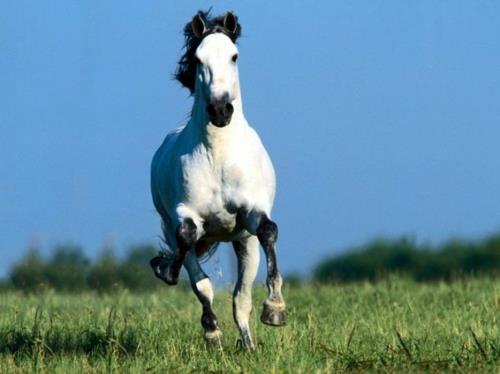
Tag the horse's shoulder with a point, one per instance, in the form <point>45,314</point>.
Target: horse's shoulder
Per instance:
<point>172,137</point>
<point>168,144</point>
<point>160,172</point>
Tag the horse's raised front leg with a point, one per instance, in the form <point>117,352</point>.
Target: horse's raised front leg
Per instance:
<point>259,224</point>
<point>168,269</point>
<point>247,252</point>
<point>202,287</point>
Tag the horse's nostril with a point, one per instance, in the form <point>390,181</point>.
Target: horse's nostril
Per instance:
<point>229,109</point>
<point>220,112</point>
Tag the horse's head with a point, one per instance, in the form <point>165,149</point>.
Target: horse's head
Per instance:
<point>212,64</point>
<point>216,71</point>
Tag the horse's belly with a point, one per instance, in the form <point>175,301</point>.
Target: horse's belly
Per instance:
<point>221,226</point>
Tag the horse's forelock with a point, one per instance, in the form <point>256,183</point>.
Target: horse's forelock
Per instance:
<point>186,69</point>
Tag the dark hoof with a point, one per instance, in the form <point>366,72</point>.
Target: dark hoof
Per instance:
<point>273,314</point>
<point>161,268</point>
<point>214,338</point>
<point>246,342</point>
<point>248,345</point>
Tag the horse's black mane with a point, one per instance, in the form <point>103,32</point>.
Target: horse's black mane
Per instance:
<point>186,69</point>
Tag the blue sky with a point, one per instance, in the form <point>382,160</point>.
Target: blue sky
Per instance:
<point>382,119</point>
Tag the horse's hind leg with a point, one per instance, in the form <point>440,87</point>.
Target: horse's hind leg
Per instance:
<point>247,252</point>
<point>202,287</point>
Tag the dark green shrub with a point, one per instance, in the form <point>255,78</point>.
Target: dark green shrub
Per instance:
<point>104,275</point>
<point>135,273</point>
<point>28,274</point>
<point>453,259</point>
<point>67,269</point>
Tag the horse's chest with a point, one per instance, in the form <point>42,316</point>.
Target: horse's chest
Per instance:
<point>215,196</point>
<point>219,214</point>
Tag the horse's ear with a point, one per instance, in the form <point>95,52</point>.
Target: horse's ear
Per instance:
<point>230,22</point>
<point>198,26</point>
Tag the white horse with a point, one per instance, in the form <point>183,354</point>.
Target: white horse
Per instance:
<point>212,181</point>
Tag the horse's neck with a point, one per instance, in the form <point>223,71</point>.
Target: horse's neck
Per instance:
<point>214,137</point>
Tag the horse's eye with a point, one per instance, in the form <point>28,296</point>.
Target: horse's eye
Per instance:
<point>234,58</point>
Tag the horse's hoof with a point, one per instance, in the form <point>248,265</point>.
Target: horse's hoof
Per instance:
<point>214,338</point>
<point>170,280</point>
<point>273,314</point>
<point>247,343</point>
<point>248,346</point>
<point>161,268</point>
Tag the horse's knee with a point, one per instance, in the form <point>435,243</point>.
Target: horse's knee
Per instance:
<point>168,269</point>
<point>186,234</point>
<point>267,232</point>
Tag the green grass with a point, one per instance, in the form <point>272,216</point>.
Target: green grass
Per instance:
<point>391,326</point>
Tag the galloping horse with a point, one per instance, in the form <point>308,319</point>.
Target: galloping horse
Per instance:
<point>212,181</point>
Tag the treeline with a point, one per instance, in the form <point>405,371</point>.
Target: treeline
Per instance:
<point>452,260</point>
<point>70,270</point>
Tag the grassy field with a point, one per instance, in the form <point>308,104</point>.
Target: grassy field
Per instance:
<point>396,325</point>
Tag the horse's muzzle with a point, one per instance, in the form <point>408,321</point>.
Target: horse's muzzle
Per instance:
<point>220,112</point>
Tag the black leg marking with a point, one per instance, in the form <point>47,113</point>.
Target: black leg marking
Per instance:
<point>208,319</point>
<point>274,307</point>
<point>213,335</point>
<point>186,233</point>
<point>267,232</point>
<point>160,266</point>
<point>186,238</point>
<point>169,270</point>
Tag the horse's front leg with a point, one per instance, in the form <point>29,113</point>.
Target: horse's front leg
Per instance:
<point>260,224</point>
<point>185,237</point>
<point>247,253</point>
